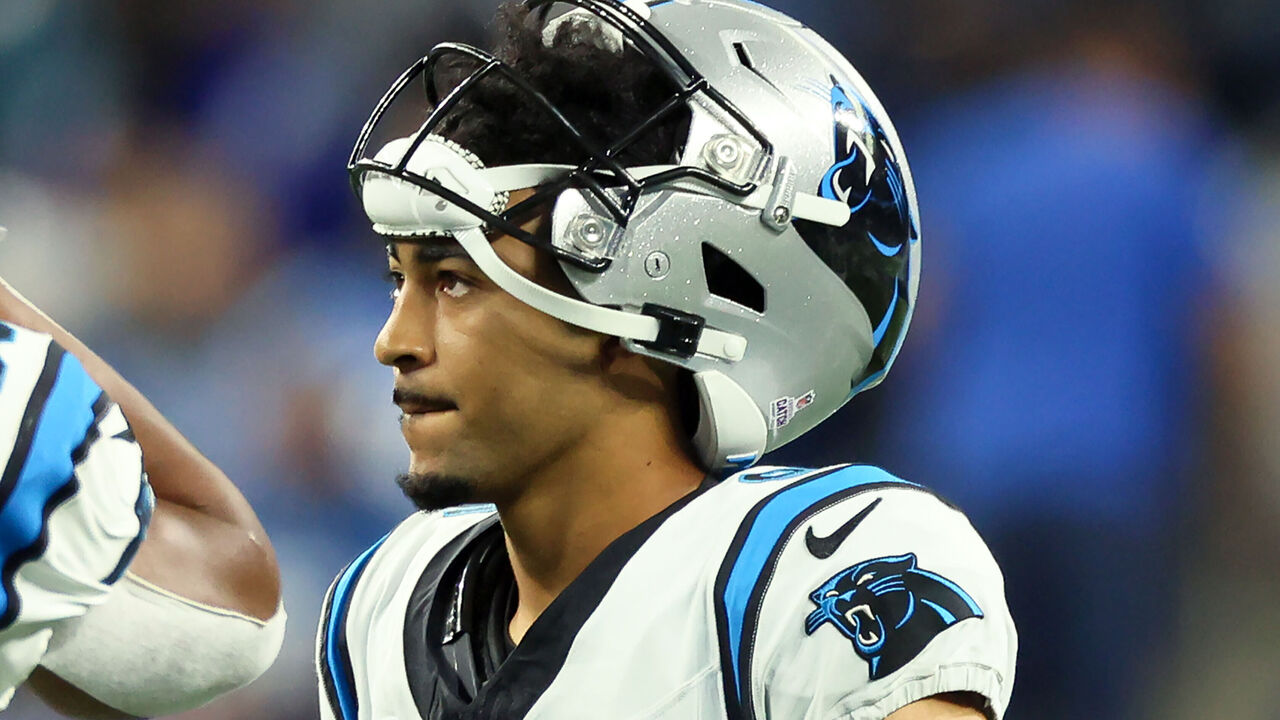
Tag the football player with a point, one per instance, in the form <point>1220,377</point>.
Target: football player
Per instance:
<point>633,249</point>
<point>136,580</point>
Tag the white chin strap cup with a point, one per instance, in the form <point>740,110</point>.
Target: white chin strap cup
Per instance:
<point>731,430</point>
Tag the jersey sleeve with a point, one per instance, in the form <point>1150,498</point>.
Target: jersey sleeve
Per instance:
<point>860,594</point>
<point>74,501</point>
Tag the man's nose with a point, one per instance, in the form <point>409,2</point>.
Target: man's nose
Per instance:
<point>406,341</point>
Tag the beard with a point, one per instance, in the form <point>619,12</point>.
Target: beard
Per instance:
<point>436,491</point>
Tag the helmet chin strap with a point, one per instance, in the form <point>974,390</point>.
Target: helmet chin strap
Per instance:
<point>620,323</point>
<point>731,430</point>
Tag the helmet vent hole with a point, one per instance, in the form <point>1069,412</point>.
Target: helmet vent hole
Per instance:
<point>744,58</point>
<point>728,280</point>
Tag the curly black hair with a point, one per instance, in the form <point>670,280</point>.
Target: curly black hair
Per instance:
<point>603,92</point>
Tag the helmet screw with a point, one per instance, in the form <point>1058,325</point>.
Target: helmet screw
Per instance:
<point>589,231</point>
<point>724,154</point>
<point>727,152</point>
<point>657,265</point>
<point>781,215</point>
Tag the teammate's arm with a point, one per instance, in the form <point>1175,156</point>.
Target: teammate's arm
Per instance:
<point>205,570</point>
<point>205,543</point>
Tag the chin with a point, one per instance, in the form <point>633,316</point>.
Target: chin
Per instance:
<point>437,491</point>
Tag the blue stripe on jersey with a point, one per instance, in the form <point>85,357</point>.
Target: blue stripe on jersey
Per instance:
<point>766,531</point>
<point>336,656</point>
<point>46,469</point>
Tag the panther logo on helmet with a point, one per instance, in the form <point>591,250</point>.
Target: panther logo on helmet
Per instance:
<point>858,139</point>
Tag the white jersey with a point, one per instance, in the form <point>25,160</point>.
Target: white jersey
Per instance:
<point>782,593</point>
<point>74,502</point>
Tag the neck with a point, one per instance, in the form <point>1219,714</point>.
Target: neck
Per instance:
<point>573,508</point>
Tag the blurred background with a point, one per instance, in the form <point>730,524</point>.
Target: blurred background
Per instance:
<point>1092,373</point>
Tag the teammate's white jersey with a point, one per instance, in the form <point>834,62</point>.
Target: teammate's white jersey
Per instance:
<point>74,502</point>
<point>777,593</point>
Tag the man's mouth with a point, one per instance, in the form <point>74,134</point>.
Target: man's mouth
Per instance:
<point>414,403</point>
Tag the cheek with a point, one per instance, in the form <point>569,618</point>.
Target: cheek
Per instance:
<point>553,349</point>
<point>522,372</point>
<point>472,363</point>
<point>512,339</point>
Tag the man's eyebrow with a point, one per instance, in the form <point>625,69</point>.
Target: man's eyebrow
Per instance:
<point>437,251</point>
<point>429,252</point>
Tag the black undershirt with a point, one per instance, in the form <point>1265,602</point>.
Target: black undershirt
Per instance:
<point>485,599</point>
<point>459,657</point>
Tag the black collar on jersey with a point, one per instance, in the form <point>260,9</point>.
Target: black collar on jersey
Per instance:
<point>468,607</point>
<point>440,609</point>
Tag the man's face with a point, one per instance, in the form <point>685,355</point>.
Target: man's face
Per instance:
<point>492,390</point>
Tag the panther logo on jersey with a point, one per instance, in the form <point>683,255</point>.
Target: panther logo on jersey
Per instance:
<point>890,609</point>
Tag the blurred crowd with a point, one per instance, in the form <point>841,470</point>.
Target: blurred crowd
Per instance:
<point>1092,373</point>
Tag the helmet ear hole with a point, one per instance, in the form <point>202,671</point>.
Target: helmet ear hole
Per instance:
<point>730,281</point>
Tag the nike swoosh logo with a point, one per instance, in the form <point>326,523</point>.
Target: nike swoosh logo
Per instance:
<point>824,547</point>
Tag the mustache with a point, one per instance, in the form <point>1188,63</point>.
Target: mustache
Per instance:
<point>406,397</point>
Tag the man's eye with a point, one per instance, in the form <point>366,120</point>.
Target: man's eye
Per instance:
<point>451,285</point>
<point>397,282</point>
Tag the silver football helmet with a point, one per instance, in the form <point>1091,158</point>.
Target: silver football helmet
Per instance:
<point>776,258</point>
